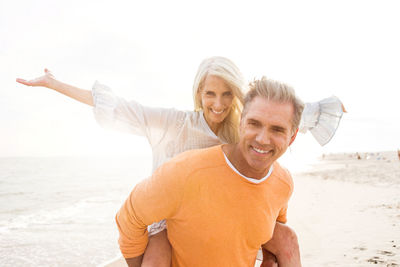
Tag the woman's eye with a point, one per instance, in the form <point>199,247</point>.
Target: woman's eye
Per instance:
<point>228,94</point>
<point>210,93</point>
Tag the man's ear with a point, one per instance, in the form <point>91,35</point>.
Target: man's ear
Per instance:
<point>293,136</point>
<point>241,120</point>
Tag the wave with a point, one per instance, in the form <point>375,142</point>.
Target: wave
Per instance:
<point>89,210</point>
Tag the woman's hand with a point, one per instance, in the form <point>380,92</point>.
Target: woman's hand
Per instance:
<point>44,80</point>
<point>49,81</point>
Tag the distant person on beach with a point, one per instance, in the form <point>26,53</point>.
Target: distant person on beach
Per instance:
<point>218,95</point>
<point>221,203</point>
<point>398,153</point>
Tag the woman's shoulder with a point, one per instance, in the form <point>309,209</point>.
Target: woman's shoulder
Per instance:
<point>189,116</point>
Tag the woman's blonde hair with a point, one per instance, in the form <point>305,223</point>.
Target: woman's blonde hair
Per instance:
<point>226,70</point>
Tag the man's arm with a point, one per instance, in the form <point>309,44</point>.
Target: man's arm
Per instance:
<point>284,245</point>
<point>152,200</point>
<point>269,259</point>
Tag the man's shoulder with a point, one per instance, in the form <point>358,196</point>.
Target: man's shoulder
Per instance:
<point>201,156</point>
<point>196,159</point>
<point>283,175</point>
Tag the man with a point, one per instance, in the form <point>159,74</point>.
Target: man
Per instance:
<point>221,203</point>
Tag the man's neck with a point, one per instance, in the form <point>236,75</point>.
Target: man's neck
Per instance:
<point>235,156</point>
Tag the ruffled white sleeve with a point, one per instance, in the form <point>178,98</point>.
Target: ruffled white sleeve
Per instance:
<point>116,113</point>
<point>322,118</point>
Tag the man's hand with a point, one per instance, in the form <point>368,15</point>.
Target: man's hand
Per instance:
<point>269,259</point>
<point>134,262</point>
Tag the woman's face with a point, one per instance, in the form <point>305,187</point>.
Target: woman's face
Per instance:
<point>216,99</point>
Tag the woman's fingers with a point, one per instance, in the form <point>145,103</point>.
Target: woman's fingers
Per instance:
<point>23,81</point>
<point>34,82</point>
<point>343,108</point>
<point>49,73</point>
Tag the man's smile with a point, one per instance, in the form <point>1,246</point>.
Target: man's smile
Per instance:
<point>261,151</point>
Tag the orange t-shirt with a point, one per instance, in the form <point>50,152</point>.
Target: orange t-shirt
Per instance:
<point>215,217</point>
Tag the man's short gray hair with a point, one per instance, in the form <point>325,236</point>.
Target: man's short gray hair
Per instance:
<point>277,92</point>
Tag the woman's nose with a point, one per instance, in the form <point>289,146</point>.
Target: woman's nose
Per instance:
<point>218,103</point>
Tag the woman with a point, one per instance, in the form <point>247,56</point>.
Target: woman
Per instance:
<point>218,94</point>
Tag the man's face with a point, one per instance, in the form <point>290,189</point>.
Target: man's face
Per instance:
<point>265,134</point>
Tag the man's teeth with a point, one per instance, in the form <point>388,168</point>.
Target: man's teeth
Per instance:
<point>260,150</point>
<point>216,112</point>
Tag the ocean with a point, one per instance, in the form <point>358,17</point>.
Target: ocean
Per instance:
<point>59,211</point>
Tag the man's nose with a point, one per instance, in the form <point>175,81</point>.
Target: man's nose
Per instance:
<point>263,137</point>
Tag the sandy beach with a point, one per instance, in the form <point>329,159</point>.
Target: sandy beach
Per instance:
<point>346,211</point>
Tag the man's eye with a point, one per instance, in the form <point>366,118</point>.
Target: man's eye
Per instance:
<point>279,130</point>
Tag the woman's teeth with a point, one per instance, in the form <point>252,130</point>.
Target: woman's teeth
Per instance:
<point>216,112</point>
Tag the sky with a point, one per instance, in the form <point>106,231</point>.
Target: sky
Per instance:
<point>150,50</point>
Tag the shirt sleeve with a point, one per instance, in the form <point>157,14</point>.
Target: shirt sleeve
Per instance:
<point>282,217</point>
<point>116,113</point>
<point>322,118</point>
<point>155,198</point>
<point>309,117</point>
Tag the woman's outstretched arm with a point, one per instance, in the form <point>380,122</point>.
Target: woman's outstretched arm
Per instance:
<point>49,81</point>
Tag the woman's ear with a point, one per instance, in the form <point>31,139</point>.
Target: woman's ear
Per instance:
<point>199,98</point>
